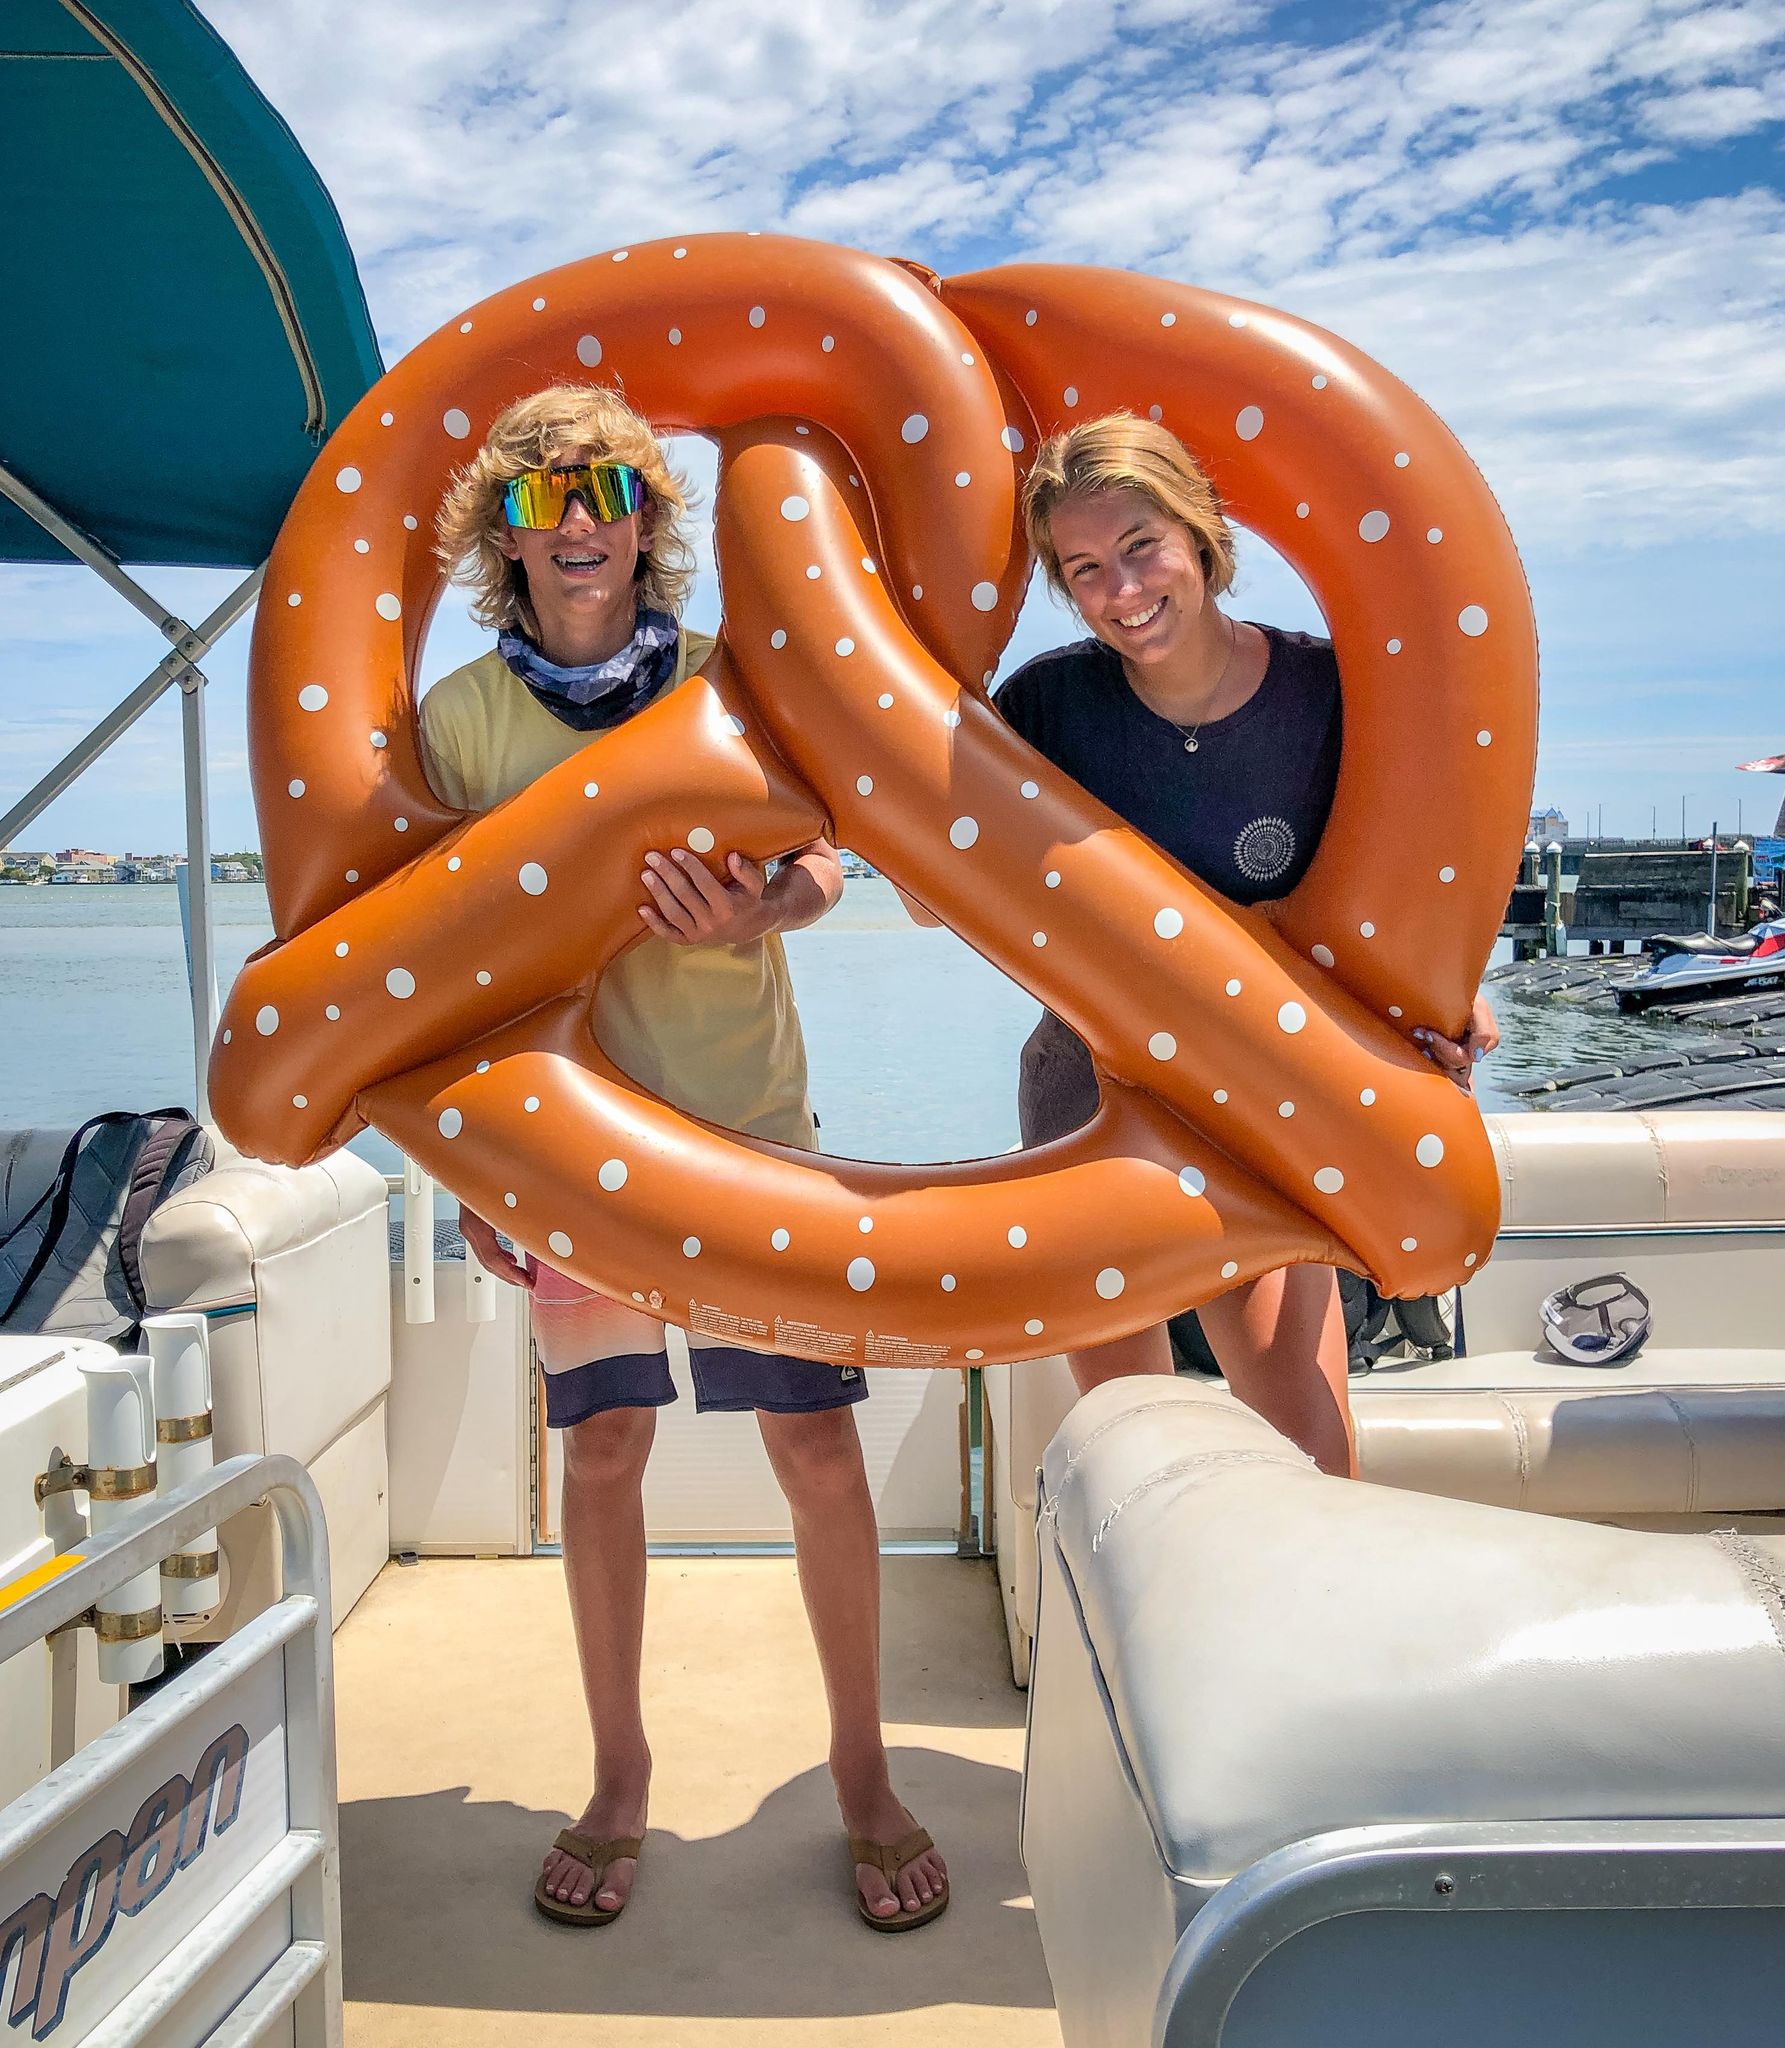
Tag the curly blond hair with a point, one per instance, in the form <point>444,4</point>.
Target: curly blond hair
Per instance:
<point>1121,452</point>
<point>535,433</point>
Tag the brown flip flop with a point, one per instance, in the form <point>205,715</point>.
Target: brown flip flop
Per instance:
<point>889,1858</point>
<point>595,1856</point>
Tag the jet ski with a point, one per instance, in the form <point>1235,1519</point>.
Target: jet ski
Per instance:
<point>1695,967</point>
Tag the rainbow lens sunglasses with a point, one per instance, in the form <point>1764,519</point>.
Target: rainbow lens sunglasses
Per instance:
<point>538,498</point>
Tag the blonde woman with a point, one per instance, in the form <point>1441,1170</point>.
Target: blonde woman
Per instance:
<point>1219,739</point>
<point>567,527</point>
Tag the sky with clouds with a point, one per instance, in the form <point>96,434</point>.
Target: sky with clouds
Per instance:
<point>1561,221</point>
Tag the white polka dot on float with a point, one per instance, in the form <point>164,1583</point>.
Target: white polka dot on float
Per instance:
<point>612,1175</point>
<point>452,1123</point>
<point>700,840</point>
<point>1402,458</point>
<point>1168,923</point>
<point>1070,394</point>
<point>985,597</point>
<point>1016,1236</point>
<point>399,824</point>
<point>1233,988</point>
<point>860,1274</point>
<point>1430,1150</point>
<point>1155,413</point>
<point>1034,1327</point>
<point>483,977</point>
<point>1052,878</point>
<point>1286,1109</point>
<point>1191,1181</point>
<point>1329,1180</point>
<point>1250,423</point>
<point>963,477</point>
<point>464,326</point>
<point>362,547</point>
<point>1434,534</point>
<point>588,352</point>
<point>341,949</point>
<point>1301,511</point>
<point>1029,317</point>
<point>1038,938</point>
<point>1012,440</point>
<point>864,785</point>
<point>1220,1095</point>
<point>456,423</point>
<point>949,1283</point>
<point>780,1239</point>
<point>963,833</point>
<point>1110,1282</point>
<point>778,638</point>
<point>675,337</point>
<point>1484,738</point>
<point>794,508</point>
<point>266,1020</point>
<point>1031,790</point>
<point>378,739</point>
<point>1367,1096</point>
<point>813,572</point>
<point>348,479</point>
<point>975,1352</point>
<point>388,605</point>
<point>561,1244</point>
<point>1322,956</point>
<point>1447,874</point>
<point>333,1013</point>
<point>1472,619</point>
<point>1230,1269</point>
<point>294,789</point>
<point>1163,1046</point>
<point>1469,1259</point>
<point>1168,319</point>
<point>758,315</point>
<point>300,1102</point>
<point>914,428</point>
<point>400,983</point>
<point>846,647</point>
<point>1394,647</point>
<point>410,521</point>
<point>512,1201</point>
<point>533,878</point>
<point>1292,1018</point>
<point>1410,1244</point>
<point>1319,381</point>
<point>1372,526</point>
<point>885,700</point>
<point>1366,930</point>
<point>691,1247</point>
<point>539,305</point>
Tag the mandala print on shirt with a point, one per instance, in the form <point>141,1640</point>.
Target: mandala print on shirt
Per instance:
<point>1264,850</point>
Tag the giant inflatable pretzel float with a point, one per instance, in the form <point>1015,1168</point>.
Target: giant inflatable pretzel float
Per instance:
<point>432,974</point>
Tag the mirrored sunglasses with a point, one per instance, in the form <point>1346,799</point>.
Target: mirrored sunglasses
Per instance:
<point>539,497</point>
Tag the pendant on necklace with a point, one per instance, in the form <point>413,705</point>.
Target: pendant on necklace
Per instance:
<point>1189,744</point>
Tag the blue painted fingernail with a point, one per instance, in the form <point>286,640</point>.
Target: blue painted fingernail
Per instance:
<point>1480,1053</point>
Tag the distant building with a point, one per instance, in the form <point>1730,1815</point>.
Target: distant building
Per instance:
<point>1547,825</point>
<point>82,857</point>
<point>230,871</point>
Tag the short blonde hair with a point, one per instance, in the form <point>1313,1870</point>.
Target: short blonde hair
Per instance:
<point>534,433</point>
<point>1119,452</point>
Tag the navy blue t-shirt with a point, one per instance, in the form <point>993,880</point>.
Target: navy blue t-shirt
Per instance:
<point>1243,813</point>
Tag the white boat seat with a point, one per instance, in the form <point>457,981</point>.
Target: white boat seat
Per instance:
<point>1267,1655</point>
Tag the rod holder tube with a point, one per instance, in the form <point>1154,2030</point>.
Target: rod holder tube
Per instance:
<point>480,1289</point>
<point>180,1371</point>
<point>418,1244</point>
<point>121,1438</point>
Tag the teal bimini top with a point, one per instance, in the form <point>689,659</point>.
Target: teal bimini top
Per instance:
<point>181,322</point>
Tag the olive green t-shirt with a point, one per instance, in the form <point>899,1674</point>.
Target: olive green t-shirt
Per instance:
<point>710,1029</point>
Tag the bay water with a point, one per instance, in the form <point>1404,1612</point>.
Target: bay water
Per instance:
<point>912,1037</point>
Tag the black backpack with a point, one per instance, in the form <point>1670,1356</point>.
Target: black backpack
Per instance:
<point>71,1265</point>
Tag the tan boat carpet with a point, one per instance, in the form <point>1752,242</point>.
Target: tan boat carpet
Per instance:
<point>464,1748</point>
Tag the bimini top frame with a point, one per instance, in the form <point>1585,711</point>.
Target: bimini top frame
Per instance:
<point>181,324</point>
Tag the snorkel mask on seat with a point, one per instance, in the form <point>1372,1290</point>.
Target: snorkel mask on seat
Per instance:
<point>1601,1321</point>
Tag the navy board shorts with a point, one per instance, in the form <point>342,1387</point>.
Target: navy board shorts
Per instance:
<point>624,1363</point>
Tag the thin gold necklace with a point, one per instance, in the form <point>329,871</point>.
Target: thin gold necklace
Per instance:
<point>1189,737</point>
